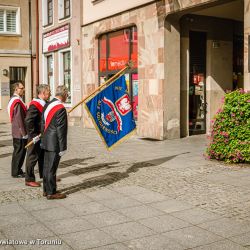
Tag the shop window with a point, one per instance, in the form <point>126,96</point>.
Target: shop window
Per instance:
<point>115,50</point>
<point>9,20</point>
<point>67,72</point>
<point>103,54</point>
<point>47,7</point>
<point>50,72</point>
<point>64,8</point>
<point>118,49</point>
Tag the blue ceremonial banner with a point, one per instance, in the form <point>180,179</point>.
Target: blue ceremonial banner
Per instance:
<point>112,113</point>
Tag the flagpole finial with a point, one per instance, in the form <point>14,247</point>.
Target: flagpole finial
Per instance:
<point>130,64</point>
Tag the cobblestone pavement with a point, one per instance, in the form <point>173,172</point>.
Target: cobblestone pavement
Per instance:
<point>176,198</point>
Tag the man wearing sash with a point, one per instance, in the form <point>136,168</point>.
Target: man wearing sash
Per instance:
<point>33,126</point>
<point>54,140</point>
<point>17,112</point>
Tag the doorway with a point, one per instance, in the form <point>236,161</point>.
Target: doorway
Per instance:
<point>197,82</point>
<point>17,74</point>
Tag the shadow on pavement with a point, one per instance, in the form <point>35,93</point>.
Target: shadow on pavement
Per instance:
<point>71,162</point>
<point>89,169</point>
<point>5,143</point>
<point>110,178</point>
<point>5,155</point>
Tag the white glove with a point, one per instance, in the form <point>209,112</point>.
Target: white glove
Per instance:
<point>36,139</point>
<point>62,153</point>
<point>25,137</point>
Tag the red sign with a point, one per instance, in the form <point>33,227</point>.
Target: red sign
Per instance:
<point>123,105</point>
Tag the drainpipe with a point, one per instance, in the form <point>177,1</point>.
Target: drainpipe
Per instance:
<point>30,48</point>
<point>37,42</point>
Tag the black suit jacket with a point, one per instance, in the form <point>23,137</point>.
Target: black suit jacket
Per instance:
<point>33,121</point>
<point>54,138</point>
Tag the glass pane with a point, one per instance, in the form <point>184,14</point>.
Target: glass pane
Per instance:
<point>135,95</point>
<point>66,60</point>
<point>2,20</point>
<point>50,77</point>
<point>67,2</point>
<point>50,4</point>
<point>103,53</point>
<point>134,47</point>
<point>11,20</point>
<point>50,64</point>
<point>118,49</point>
<point>50,12</point>
<point>67,73</point>
<point>67,12</point>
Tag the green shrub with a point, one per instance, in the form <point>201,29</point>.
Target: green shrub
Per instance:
<point>230,134</point>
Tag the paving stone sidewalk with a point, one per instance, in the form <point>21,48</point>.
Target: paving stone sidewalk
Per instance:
<point>145,194</point>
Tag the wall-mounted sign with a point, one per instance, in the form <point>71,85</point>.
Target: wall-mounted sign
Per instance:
<point>56,39</point>
<point>5,89</point>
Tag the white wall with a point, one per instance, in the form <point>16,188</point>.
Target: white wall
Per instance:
<point>104,8</point>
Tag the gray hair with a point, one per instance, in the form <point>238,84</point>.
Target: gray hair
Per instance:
<point>61,90</point>
<point>41,88</point>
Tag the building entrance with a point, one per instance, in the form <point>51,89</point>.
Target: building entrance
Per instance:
<point>197,83</point>
<point>17,74</point>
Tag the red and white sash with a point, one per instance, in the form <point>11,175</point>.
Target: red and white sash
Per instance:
<point>50,112</point>
<point>12,103</point>
<point>38,103</point>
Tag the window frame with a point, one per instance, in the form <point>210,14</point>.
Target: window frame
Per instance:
<point>48,12</point>
<point>45,13</point>
<point>110,72</point>
<point>18,21</point>
<point>45,70</point>
<point>61,9</point>
<point>61,73</point>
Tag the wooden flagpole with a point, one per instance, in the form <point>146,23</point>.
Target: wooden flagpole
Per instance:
<point>110,80</point>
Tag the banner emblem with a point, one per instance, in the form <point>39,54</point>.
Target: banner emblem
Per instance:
<point>111,112</point>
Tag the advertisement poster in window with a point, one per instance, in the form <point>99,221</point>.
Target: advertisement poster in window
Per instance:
<point>135,95</point>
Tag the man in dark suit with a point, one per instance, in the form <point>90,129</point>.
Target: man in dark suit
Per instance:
<point>17,112</point>
<point>54,140</point>
<point>33,126</point>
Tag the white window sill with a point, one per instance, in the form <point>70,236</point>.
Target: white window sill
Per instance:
<point>47,26</point>
<point>61,20</point>
<point>9,34</point>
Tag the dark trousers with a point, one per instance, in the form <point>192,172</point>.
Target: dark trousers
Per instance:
<point>18,156</point>
<point>51,162</point>
<point>34,155</point>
